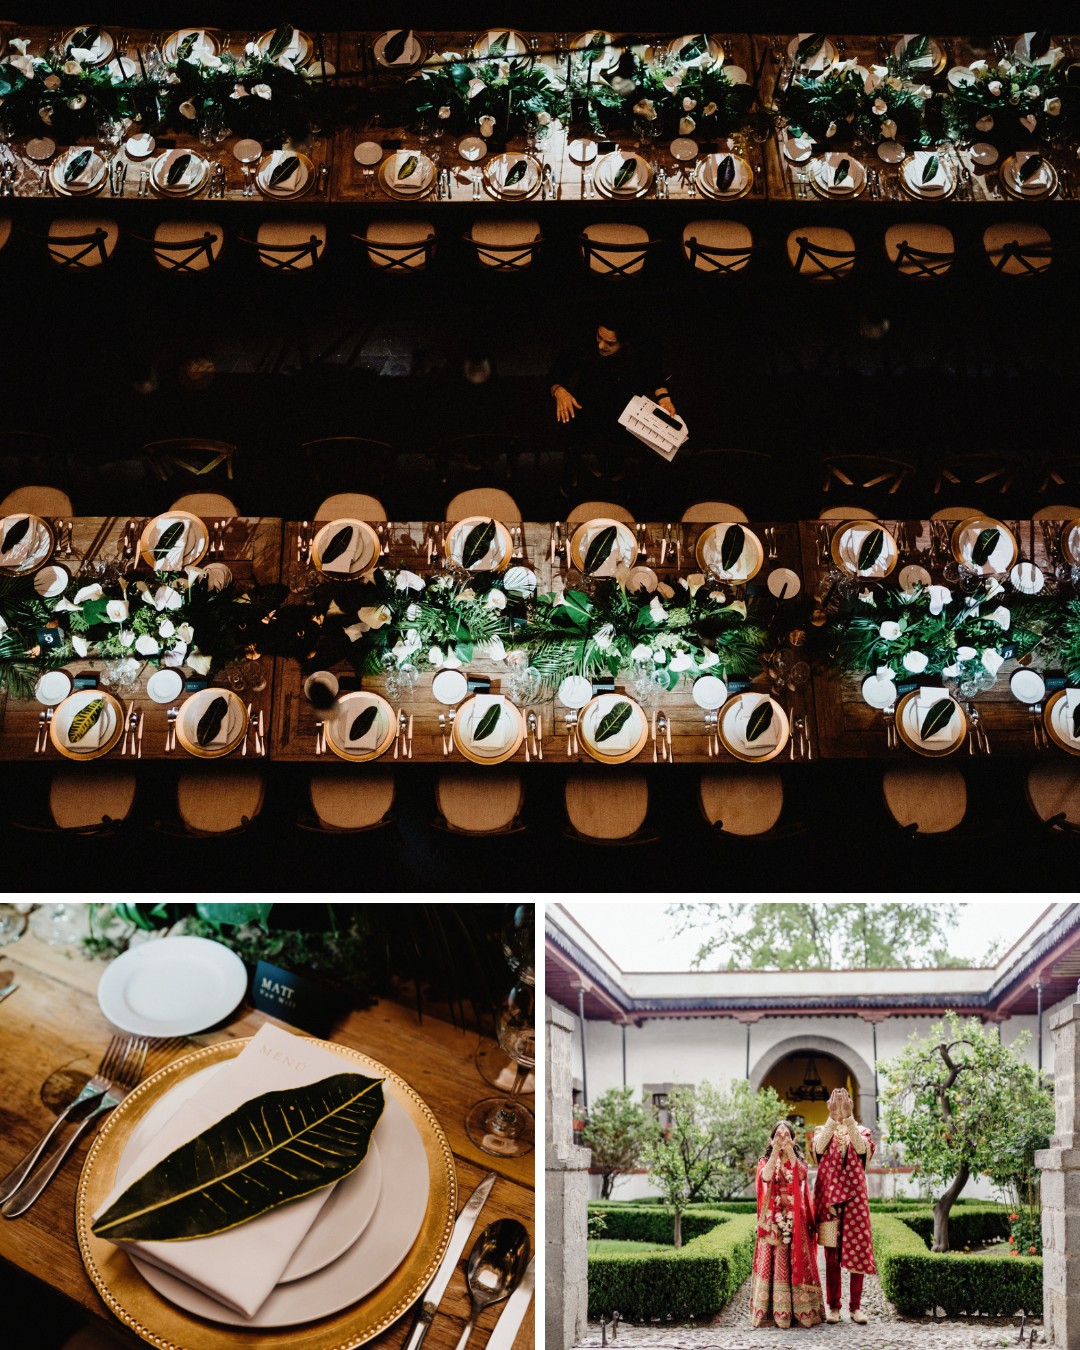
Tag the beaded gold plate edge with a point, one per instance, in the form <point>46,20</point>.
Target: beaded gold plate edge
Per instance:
<point>161,1324</point>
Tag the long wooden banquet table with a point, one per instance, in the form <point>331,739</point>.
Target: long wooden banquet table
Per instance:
<point>54,1035</point>
<point>836,721</point>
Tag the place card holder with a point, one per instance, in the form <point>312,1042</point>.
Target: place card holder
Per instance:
<point>349,684</point>
<point>1055,679</point>
<point>49,638</point>
<point>479,684</point>
<point>86,679</point>
<point>294,999</point>
<point>737,686</point>
<point>1007,650</point>
<point>391,143</point>
<point>194,683</point>
<point>906,687</point>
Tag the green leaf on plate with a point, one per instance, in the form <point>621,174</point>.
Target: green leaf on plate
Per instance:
<point>76,164</point>
<point>285,169</point>
<point>732,546</point>
<point>984,546</point>
<point>809,47</point>
<point>84,719</point>
<point>15,534</point>
<point>626,171</point>
<point>1076,722</point>
<point>917,48</point>
<point>408,168</point>
<point>85,38</point>
<point>930,168</point>
<point>281,39</point>
<point>725,174</point>
<point>940,715</point>
<point>362,722</point>
<point>177,169</point>
<point>488,722</point>
<point>1039,44</point>
<point>498,44</point>
<point>841,172</point>
<point>871,550</point>
<point>211,720</point>
<point>273,1149</point>
<point>1029,168</point>
<point>477,542</point>
<point>394,47</point>
<point>168,539</point>
<point>694,48</point>
<point>184,49</point>
<point>516,173</point>
<point>337,545</point>
<point>599,547</point>
<point>613,721</point>
<point>760,720</point>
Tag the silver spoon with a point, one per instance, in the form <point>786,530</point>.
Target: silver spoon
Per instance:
<point>496,1265</point>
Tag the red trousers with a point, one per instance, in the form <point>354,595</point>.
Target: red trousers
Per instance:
<point>832,1283</point>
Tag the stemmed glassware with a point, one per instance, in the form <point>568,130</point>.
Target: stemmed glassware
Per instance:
<point>60,925</point>
<point>495,1065</point>
<point>504,1125</point>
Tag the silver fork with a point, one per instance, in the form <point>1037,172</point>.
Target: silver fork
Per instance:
<point>94,1087</point>
<point>890,726</point>
<point>170,735</point>
<point>123,1081</point>
<point>442,733</point>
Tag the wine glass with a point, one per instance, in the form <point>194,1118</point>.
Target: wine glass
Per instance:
<point>503,1126</point>
<point>12,924</point>
<point>60,925</point>
<point>518,940</point>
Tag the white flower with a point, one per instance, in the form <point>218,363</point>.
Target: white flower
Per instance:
<point>992,661</point>
<point>1030,122</point>
<point>145,645</point>
<point>46,116</point>
<point>894,82</point>
<point>476,87</point>
<point>984,123</point>
<point>504,70</point>
<point>252,49</point>
<point>487,125</point>
<point>966,653</point>
<point>657,612</point>
<point>1052,107</point>
<point>80,644</point>
<point>167,597</point>
<point>686,126</point>
<point>185,632</point>
<point>286,62</point>
<point>3,624</point>
<point>355,631</point>
<point>867,598</point>
<point>412,613</point>
<point>1034,91</point>
<point>994,87</point>
<point>641,653</point>
<point>493,649</point>
<point>885,673</point>
<point>171,77</point>
<point>72,67</point>
<point>187,109</point>
<point>880,107</point>
<point>916,662</point>
<point>663,589</point>
<point>374,615</point>
<point>681,662</point>
<point>889,630</point>
<point>24,64</point>
<point>444,112</point>
<point>198,662</point>
<point>239,91</point>
<point>174,657</point>
<point>63,604</point>
<point>950,671</point>
<point>467,593</point>
<point>127,637</point>
<point>872,80</point>
<point>888,129</point>
<point>708,659</point>
<point>673,83</point>
<point>451,660</point>
<point>830,131</point>
<point>708,110</point>
<point>543,119</point>
<point>992,587</point>
<point>117,610</point>
<point>694,582</point>
<point>76,102</point>
<point>689,104</point>
<point>261,90</point>
<point>195,574</point>
<point>604,636</point>
<point>166,628</point>
<point>51,82</point>
<point>1001,617</point>
<point>496,599</point>
<point>20,44</point>
<point>409,581</point>
<point>410,641</point>
<point>736,607</point>
<point>88,593</point>
<point>435,656</point>
<point>645,108</point>
<point>659,656</point>
<point>939,598</point>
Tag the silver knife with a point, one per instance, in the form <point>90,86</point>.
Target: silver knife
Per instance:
<point>432,1296</point>
<point>512,1316</point>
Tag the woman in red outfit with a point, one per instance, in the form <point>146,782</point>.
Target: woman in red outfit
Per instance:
<point>841,1207</point>
<point>785,1282</point>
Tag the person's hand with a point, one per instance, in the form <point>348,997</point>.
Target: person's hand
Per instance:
<point>667,405</point>
<point>847,1106</point>
<point>834,1104</point>
<point>565,403</point>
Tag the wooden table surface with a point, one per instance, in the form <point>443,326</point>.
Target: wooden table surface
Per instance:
<point>52,1029</point>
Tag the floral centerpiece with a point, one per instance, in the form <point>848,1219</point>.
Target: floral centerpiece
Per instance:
<point>887,104</point>
<point>1012,98</point>
<point>58,91</point>
<point>498,97</point>
<point>690,97</point>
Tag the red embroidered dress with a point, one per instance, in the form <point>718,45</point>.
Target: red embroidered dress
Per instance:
<point>841,1207</point>
<point>785,1281</point>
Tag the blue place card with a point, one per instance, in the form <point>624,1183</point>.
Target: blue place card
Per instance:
<point>296,999</point>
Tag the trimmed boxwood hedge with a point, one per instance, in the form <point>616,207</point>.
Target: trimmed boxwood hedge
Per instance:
<point>970,1226</point>
<point>918,1280</point>
<point>655,1225</point>
<point>696,1281</point>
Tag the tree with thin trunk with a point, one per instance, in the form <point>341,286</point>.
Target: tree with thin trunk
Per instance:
<point>617,1131</point>
<point>952,1099</point>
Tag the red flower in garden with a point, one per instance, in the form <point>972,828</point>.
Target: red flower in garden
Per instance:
<point>1014,1253</point>
<point>1031,1250</point>
<point>1012,1240</point>
<point>1013,1218</point>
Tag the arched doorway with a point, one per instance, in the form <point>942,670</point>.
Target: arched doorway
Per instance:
<point>794,1064</point>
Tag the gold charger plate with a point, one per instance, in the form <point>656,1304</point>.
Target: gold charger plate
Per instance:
<point>164,1325</point>
<point>363,529</point>
<point>457,731</point>
<point>198,528</point>
<point>1065,743</point>
<point>269,164</point>
<point>594,751</point>
<point>530,182</point>
<point>1005,178</point>
<point>982,523</point>
<point>752,542</point>
<point>828,193</point>
<point>359,699</point>
<point>418,47</point>
<point>461,528</point>
<point>705,176</point>
<point>192,188</point>
<point>914,742</point>
<point>173,42</point>
<point>211,751</point>
<point>738,751</point>
<point>425,166</point>
<point>845,566</point>
<point>45,555</point>
<point>307,47</point>
<point>941,59</point>
<point>87,189</point>
<point>104,53</point>
<point>85,696</point>
<point>915,192</point>
<point>607,164</point>
<point>1065,541</point>
<point>625,542</point>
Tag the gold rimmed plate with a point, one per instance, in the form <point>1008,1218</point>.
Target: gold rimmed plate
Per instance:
<point>89,181</point>
<point>299,48</point>
<point>623,549</point>
<point>296,181</point>
<point>501,44</point>
<point>708,172</point>
<point>822,59</point>
<point>32,550</point>
<point>1043,182</point>
<point>823,172</point>
<point>101,46</point>
<point>941,183</point>
<point>512,177</point>
<point>710,547</point>
<point>230,733</point>
<point>101,737</point>
<point>167,1326</point>
<point>626,744</point>
<point>623,177</point>
<point>847,544</point>
<point>196,541</point>
<point>497,557</point>
<point>407,49</point>
<point>909,719</point>
<point>378,737</point>
<point>407,175</point>
<point>933,62</point>
<point>361,551</point>
<point>697,49</point>
<point>1058,723</point>
<point>1069,541</point>
<point>734,722</point>
<point>189,174</point>
<point>172,44</point>
<point>504,740</point>
<point>966,534</point>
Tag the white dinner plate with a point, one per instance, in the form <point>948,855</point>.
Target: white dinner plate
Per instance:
<point>1027,685</point>
<point>710,548</point>
<point>247,150</point>
<point>51,580</point>
<point>165,686</point>
<point>821,60</point>
<point>362,552</point>
<point>781,577</point>
<point>575,691</point>
<point>889,152</point>
<point>53,687</point>
<point>734,719</point>
<point>913,575</point>
<point>879,693</point>
<point>798,149</point>
<point>823,173</point>
<point>449,686</point>
<point>960,76</point>
<point>709,692</point>
<point>736,74</point>
<point>368,153</point>
<point>910,717</point>
<point>683,149</point>
<point>982,152</point>
<point>1027,578</point>
<point>172,986</point>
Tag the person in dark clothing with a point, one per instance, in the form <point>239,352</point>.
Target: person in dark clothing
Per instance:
<point>591,383</point>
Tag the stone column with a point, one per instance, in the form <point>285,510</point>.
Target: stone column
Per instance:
<point>1060,1166</point>
<point>566,1194</point>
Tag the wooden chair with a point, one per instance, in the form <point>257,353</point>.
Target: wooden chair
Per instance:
<point>1018,248</point>
<point>338,463</point>
<point>193,455</point>
<point>83,243</point>
<point>206,505</point>
<point>743,802</point>
<point>614,249</point>
<point>219,799</point>
<point>37,501</point>
<point>920,250</point>
<point>288,245</point>
<point>846,513</point>
<point>717,248</point>
<point>821,253</point>
<point>925,798</point>
<point>1059,470</point>
<point>485,501</point>
<point>1053,793</point>
<point>349,803</point>
<point>5,232</point>
<point>350,506</point>
<point>91,798</point>
<point>506,246</point>
<point>1044,513</point>
<point>592,510</point>
<point>957,513</point>
<point>988,470</point>
<point>867,471</point>
<point>714,512</point>
<point>488,803</point>
<point>187,246</point>
<point>607,808</point>
<point>399,246</point>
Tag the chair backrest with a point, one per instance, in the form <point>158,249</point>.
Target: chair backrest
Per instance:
<point>1049,513</point>
<point>205,505</point>
<point>349,803</point>
<point>186,246</point>
<point>218,799</point>
<point>957,513</point>
<point>507,246</point>
<point>81,244</point>
<point>399,245</point>
<point>925,798</point>
<point>867,471</point>
<point>89,796</point>
<point>821,254</point>
<point>596,510</point>
<point>742,801</point>
<point>483,501</point>
<point>717,247</point>
<point>714,512</point>
<point>846,513</point>
<point>289,246</point>
<point>190,454</point>
<point>607,808</point>
<point>615,250</point>
<point>488,803</point>
<point>1053,793</point>
<point>1018,248</point>
<point>37,501</point>
<point>979,469</point>
<point>919,250</point>
<point>350,506</point>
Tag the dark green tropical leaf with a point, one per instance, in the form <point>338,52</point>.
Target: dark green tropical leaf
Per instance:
<point>362,723</point>
<point>477,543</point>
<point>185,48</point>
<point>281,39</point>
<point>984,546</point>
<point>725,174</point>
<point>285,169</point>
<point>732,546</point>
<point>273,1149</point>
<point>841,172</point>
<point>497,45</point>
<point>85,38</point>
<point>871,550</point>
<point>600,546</point>
<point>917,48</point>
<point>1039,44</point>
<point>394,48</point>
<point>694,48</point>
<point>84,719</point>
<point>939,715</point>
<point>809,47</point>
<point>612,721</point>
<point>488,722</point>
<point>177,169</point>
<point>626,171</point>
<point>337,545</point>
<point>76,165</point>
<point>760,720</point>
<point>1076,722</point>
<point>211,720</point>
<point>1029,168</point>
<point>408,168</point>
<point>930,168</point>
<point>516,173</point>
<point>15,533</point>
<point>168,539</point>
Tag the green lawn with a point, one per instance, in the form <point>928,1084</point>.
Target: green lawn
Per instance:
<point>616,1247</point>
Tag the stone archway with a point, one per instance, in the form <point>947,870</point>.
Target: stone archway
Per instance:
<point>807,1042</point>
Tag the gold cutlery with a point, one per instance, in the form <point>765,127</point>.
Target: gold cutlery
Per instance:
<point>450,735</point>
<point>442,732</point>
<point>654,728</point>
<point>410,735</point>
<point>127,727</point>
<point>318,738</point>
<point>247,731</point>
<point>142,719</point>
<point>170,734</point>
<point>39,742</point>
<point>260,736</point>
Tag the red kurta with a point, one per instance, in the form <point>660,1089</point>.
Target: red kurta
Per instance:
<point>840,1199</point>
<point>785,1281</point>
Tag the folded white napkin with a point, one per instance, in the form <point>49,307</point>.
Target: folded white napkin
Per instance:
<point>504,728</point>
<point>817,62</point>
<point>347,715</point>
<point>1072,698</point>
<point>925,701</point>
<point>176,557</point>
<point>344,561</point>
<point>26,546</point>
<point>830,163</point>
<point>491,557</point>
<point>742,171</point>
<point>626,736</point>
<point>1039,180</point>
<point>925,62</point>
<point>1001,551</point>
<point>416,180</point>
<point>295,180</point>
<point>770,736</point>
<point>242,1265</point>
<point>938,182</point>
<point>614,559</point>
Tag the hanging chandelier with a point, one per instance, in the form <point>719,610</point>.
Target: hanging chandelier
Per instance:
<point>811,1089</point>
